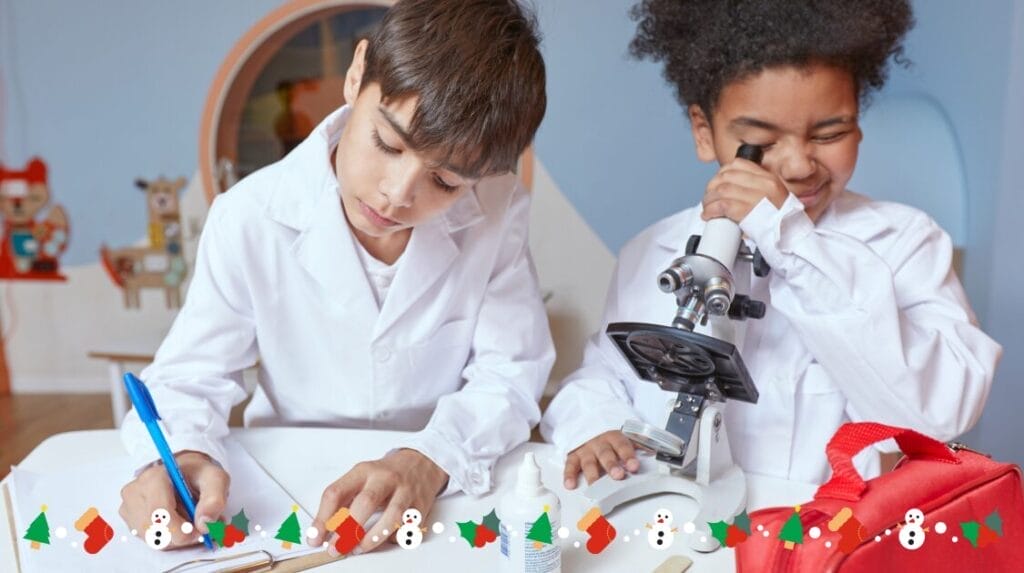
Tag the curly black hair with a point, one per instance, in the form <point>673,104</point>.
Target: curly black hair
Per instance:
<point>707,44</point>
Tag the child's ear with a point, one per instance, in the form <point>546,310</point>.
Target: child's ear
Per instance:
<point>703,136</point>
<point>354,76</point>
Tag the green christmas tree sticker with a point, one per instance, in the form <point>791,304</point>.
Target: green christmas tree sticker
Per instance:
<point>793,530</point>
<point>39,531</point>
<point>290,531</point>
<point>540,531</point>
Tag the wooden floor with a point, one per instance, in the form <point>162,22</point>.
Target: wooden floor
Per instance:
<point>28,419</point>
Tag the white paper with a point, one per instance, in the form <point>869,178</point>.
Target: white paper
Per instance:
<point>68,495</point>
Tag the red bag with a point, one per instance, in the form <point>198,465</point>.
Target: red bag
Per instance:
<point>859,524</point>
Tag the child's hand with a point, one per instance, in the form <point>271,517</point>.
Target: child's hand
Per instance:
<point>153,490</point>
<point>738,187</point>
<point>400,480</point>
<point>608,452</point>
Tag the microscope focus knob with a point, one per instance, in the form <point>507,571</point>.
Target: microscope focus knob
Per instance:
<point>744,307</point>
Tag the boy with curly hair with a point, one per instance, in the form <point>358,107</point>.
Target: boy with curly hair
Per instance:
<point>865,319</point>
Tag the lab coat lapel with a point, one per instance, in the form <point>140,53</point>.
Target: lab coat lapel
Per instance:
<point>325,249</point>
<point>431,251</point>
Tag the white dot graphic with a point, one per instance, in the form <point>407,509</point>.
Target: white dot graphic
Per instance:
<point>263,534</point>
<point>325,544</point>
<point>563,532</point>
<point>626,539</point>
<point>828,544</point>
<point>955,539</point>
<point>187,528</point>
<point>888,532</point>
<point>376,539</point>
<point>814,532</point>
<point>135,532</point>
<point>878,538</point>
<point>61,532</point>
<point>576,544</point>
<point>760,527</point>
<point>636,532</point>
<point>766,533</point>
<point>438,527</point>
<point>312,532</point>
<point>689,527</point>
<point>385,532</point>
<point>258,527</point>
<point>940,527</point>
<point>703,538</point>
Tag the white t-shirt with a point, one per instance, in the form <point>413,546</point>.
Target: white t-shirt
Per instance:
<point>380,274</point>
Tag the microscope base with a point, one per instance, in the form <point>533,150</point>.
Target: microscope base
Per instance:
<point>719,487</point>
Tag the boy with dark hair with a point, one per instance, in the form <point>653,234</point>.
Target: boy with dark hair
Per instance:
<point>866,319</point>
<point>381,275</point>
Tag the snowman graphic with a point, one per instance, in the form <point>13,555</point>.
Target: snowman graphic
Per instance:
<point>158,535</point>
<point>661,534</point>
<point>912,534</point>
<point>410,534</point>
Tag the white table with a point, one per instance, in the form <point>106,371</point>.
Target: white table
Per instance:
<point>303,462</point>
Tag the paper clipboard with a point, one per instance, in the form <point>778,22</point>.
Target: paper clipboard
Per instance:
<point>292,565</point>
<point>256,562</point>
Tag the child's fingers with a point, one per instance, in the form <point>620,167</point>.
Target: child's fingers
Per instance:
<point>335,496</point>
<point>572,470</point>
<point>609,460</point>
<point>626,452</point>
<point>212,482</point>
<point>374,495</point>
<point>590,465</point>
<point>392,515</point>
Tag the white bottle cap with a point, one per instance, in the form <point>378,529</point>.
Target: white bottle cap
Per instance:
<point>529,484</point>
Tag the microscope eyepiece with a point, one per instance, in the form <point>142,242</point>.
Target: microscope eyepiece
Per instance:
<point>751,152</point>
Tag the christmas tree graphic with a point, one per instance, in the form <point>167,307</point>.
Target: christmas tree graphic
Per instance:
<point>39,531</point>
<point>290,531</point>
<point>793,530</point>
<point>540,531</point>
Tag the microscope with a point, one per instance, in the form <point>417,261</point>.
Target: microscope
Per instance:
<point>698,373</point>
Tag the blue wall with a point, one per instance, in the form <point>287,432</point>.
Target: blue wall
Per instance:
<point>108,90</point>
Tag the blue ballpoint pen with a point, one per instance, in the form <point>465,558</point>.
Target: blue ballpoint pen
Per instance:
<point>143,402</point>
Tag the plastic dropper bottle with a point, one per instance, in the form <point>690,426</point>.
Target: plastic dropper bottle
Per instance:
<point>528,545</point>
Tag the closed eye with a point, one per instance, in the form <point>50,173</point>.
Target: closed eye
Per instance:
<point>383,146</point>
<point>830,137</point>
<point>444,186</point>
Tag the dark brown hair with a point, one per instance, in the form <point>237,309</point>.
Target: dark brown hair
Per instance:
<point>477,71</point>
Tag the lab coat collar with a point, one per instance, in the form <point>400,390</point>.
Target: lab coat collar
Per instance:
<point>326,246</point>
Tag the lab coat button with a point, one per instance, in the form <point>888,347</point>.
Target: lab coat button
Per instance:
<point>382,354</point>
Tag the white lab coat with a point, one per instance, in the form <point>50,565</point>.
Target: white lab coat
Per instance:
<point>459,352</point>
<point>866,321</point>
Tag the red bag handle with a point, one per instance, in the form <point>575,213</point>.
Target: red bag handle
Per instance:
<point>852,437</point>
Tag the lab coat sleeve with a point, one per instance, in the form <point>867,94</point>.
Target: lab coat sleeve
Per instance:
<point>593,399</point>
<point>891,328</point>
<point>511,359</point>
<point>195,376</point>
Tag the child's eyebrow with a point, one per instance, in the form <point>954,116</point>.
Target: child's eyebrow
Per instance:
<point>744,121</point>
<point>402,133</point>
